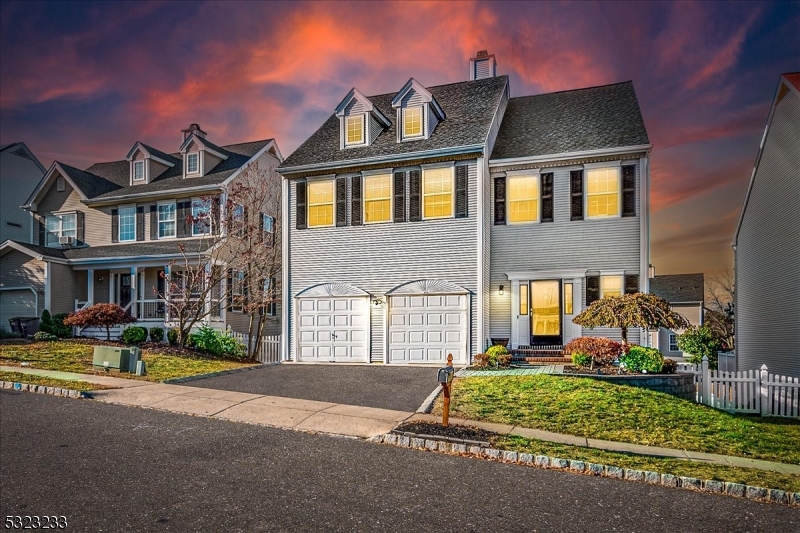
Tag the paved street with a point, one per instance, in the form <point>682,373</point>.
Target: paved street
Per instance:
<point>111,468</point>
<point>398,388</point>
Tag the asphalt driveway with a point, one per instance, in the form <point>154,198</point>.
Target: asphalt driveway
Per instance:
<point>387,387</point>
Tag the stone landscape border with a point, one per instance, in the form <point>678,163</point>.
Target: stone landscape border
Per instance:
<point>464,448</point>
<point>42,389</point>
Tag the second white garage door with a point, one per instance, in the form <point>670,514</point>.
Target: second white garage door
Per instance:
<point>333,329</point>
<point>16,302</point>
<point>425,328</point>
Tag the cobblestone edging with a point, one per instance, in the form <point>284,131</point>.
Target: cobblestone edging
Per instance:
<point>173,381</point>
<point>593,469</point>
<point>41,389</point>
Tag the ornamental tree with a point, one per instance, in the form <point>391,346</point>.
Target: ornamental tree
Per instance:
<point>638,310</point>
<point>100,315</point>
<point>700,342</point>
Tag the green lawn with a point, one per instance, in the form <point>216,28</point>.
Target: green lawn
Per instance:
<point>76,356</point>
<point>31,379</point>
<point>595,409</point>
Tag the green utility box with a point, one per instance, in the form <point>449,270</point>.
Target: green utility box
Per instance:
<point>122,359</point>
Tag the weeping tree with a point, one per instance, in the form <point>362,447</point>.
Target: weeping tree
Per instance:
<point>638,310</point>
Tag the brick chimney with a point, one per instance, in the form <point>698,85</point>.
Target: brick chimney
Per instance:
<point>483,65</point>
<point>193,128</point>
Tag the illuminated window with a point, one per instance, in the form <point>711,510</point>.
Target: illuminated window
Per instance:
<point>320,203</point>
<point>437,190</point>
<point>355,129</point>
<point>127,224</point>
<point>523,199</point>
<point>192,166</point>
<point>568,298</point>
<point>610,286</point>
<point>412,121</point>
<point>378,198</point>
<point>138,170</point>
<point>602,196</point>
<point>523,299</point>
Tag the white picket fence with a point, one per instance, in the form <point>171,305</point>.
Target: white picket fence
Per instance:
<point>750,391</point>
<point>268,352</point>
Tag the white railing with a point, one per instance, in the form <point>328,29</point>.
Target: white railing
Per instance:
<point>153,309</point>
<point>80,305</point>
<point>269,351</point>
<point>751,391</point>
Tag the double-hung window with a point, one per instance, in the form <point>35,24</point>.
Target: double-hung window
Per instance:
<point>138,170</point>
<point>270,309</point>
<point>602,192</point>
<point>673,342</point>
<point>412,121</point>
<point>523,199</point>
<point>237,290</point>
<point>166,220</point>
<point>354,129</point>
<point>610,286</point>
<point>201,214</point>
<point>377,198</point>
<point>192,163</point>
<point>320,203</point>
<point>267,223</point>
<point>64,225</point>
<point>127,224</point>
<point>437,190</point>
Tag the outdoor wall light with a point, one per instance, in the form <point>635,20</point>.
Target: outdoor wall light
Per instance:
<point>502,292</point>
<point>377,302</point>
<point>100,279</point>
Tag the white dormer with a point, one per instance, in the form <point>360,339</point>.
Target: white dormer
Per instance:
<point>418,112</point>
<point>200,156</point>
<point>146,163</point>
<point>360,122</point>
<point>483,65</point>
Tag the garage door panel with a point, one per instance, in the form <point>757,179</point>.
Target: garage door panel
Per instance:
<point>324,321</point>
<point>358,335</point>
<point>454,319</point>
<point>358,320</point>
<point>454,301</point>
<point>340,320</point>
<point>416,319</point>
<point>434,319</point>
<point>425,328</point>
<point>416,337</point>
<point>434,336</point>
<point>452,337</point>
<point>416,354</point>
<point>333,329</point>
<point>417,302</point>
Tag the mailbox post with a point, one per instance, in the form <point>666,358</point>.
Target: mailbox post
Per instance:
<point>445,378</point>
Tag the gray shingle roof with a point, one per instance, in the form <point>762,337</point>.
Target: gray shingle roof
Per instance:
<point>138,249</point>
<point>163,155</point>
<point>679,287</point>
<point>90,184</point>
<point>40,250</point>
<point>571,121</point>
<point>469,107</point>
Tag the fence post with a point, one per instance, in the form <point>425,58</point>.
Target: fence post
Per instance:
<point>706,382</point>
<point>765,403</point>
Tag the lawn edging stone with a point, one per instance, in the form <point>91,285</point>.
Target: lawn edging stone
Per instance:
<point>710,486</point>
<point>43,389</point>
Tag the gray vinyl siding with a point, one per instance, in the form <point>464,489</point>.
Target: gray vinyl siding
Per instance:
<point>377,335</point>
<point>209,162</point>
<point>379,257</point>
<point>19,176</point>
<point>587,245</point>
<point>412,98</point>
<point>767,252</point>
<point>355,107</point>
<point>240,322</point>
<point>21,270</point>
<point>663,343</point>
<point>431,120</point>
<point>156,169</point>
<point>64,288</point>
<point>97,220</point>
<point>374,128</point>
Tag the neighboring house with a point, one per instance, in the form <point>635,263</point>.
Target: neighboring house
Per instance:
<point>20,172</point>
<point>767,244</point>
<point>428,221</point>
<point>685,293</point>
<point>107,233</point>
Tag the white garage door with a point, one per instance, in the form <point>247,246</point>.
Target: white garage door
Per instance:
<point>333,329</point>
<point>16,302</point>
<point>425,328</point>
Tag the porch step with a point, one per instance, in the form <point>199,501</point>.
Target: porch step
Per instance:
<point>544,360</point>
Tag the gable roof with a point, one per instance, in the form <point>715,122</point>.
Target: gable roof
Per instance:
<point>470,107</point>
<point>33,250</point>
<point>115,251</point>
<point>679,287</point>
<point>578,120</point>
<point>22,150</point>
<point>207,145</point>
<point>154,153</point>
<point>423,92</point>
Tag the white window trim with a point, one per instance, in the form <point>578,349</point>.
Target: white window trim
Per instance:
<point>264,216</point>
<point>363,179</point>
<point>61,184</point>
<point>159,221</point>
<point>236,282</point>
<point>435,166</point>
<point>308,203</point>
<point>199,170</point>
<point>669,341</point>
<point>525,174</point>
<point>619,275</point>
<point>60,233</point>
<point>421,134</point>
<point>364,122</point>
<point>119,222</point>
<point>210,221</point>
<point>144,170</point>
<point>598,166</point>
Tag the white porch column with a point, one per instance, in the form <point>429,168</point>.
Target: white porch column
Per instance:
<point>577,305</point>
<point>90,286</point>
<point>48,285</point>
<point>134,291</point>
<point>514,313</point>
<point>207,297</point>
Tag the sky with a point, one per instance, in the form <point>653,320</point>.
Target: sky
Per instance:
<point>81,82</point>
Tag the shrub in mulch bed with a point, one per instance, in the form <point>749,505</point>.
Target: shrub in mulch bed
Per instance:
<point>158,348</point>
<point>451,431</point>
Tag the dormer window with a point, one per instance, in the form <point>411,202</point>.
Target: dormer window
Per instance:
<point>138,170</point>
<point>192,163</point>
<point>412,121</point>
<point>355,129</point>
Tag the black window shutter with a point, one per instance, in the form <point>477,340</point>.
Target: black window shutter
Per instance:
<point>414,191</point>
<point>547,197</point>
<point>576,194</point>
<point>499,201</point>
<point>80,222</point>
<point>153,222</point>
<point>355,202</point>
<point>341,202</point>
<point>216,213</point>
<point>300,205</point>
<point>42,241</point>
<point>115,225</point>
<point>187,223</point>
<point>180,220</point>
<point>461,191</point>
<point>399,196</point>
<point>592,289</point>
<point>229,289</point>
<point>629,191</point>
<point>631,284</point>
<point>140,223</point>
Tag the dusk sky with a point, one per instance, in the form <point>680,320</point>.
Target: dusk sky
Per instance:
<point>80,82</point>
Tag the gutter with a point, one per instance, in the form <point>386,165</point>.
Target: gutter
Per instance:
<point>109,200</point>
<point>571,155</point>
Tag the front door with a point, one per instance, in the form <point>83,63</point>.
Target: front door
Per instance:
<point>546,313</point>
<point>124,290</point>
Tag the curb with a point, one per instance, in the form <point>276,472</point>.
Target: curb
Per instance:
<point>427,404</point>
<point>42,389</point>
<point>710,486</point>
<point>220,373</point>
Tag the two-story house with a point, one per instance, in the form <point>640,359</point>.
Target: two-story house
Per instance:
<point>109,233</point>
<point>427,221</point>
<point>20,172</point>
<point>686,294</point>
